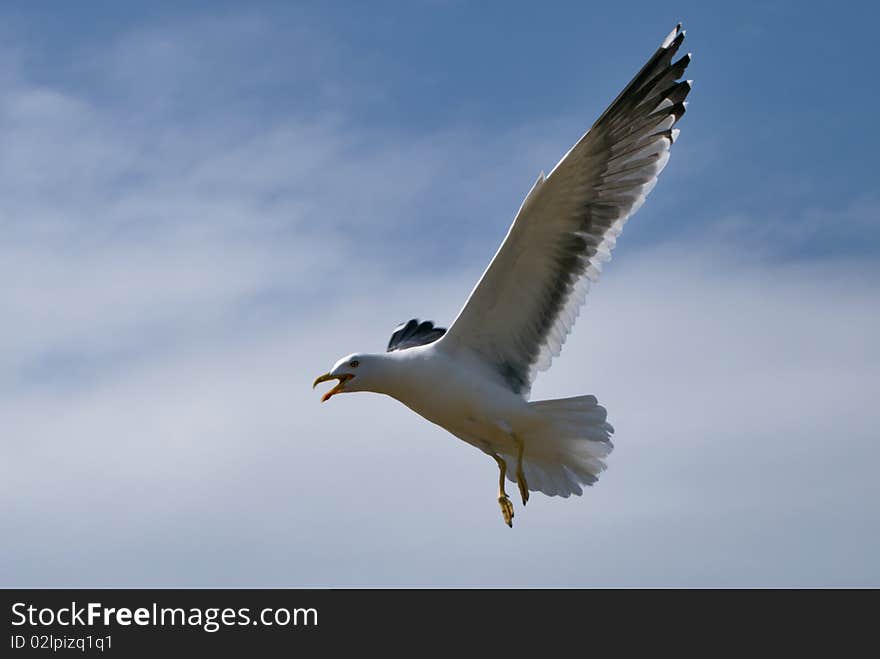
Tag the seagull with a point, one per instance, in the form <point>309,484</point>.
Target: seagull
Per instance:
<point>474,379</point>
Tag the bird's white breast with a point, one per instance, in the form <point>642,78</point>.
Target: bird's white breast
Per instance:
<point>458,394</point>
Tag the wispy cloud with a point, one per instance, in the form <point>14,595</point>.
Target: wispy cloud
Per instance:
<point>745,447</point>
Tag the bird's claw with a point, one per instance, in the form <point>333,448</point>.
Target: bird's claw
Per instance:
<point>506,509</point>
<point>523,488</point>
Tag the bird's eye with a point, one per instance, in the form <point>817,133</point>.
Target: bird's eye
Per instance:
<point>354,363</point>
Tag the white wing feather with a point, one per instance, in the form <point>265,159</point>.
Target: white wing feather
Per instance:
<point>526,303</point>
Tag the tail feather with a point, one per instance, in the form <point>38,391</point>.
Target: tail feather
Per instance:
<point>566,441</point>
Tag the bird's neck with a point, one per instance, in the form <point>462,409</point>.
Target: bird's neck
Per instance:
<point>396,374</point>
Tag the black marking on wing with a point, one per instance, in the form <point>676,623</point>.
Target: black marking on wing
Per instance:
<point>515,375</point>
<point>623,131</point>
<point>413,333</point>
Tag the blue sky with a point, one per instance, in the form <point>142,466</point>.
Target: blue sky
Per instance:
<point>205,205</point>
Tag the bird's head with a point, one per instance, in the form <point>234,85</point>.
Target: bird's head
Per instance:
<point>357,372</point>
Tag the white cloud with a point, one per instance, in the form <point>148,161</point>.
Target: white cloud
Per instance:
<point>745,451</point>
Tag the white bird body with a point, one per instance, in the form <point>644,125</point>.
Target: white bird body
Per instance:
<point>564,440</point>
<point>471,403</point>
<point>475,379</point>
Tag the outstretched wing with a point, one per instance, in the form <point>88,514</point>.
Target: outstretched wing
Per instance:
<point>413,333</point>
<point>522,309</point>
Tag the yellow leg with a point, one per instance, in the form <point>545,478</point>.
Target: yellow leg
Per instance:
<point>520,476</point>
<point>503,500</point>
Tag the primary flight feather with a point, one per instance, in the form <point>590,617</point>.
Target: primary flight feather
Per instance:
<point>474,379</point>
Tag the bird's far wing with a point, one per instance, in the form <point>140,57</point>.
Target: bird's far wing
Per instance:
<point>413,333</point>
<point>525,304</point>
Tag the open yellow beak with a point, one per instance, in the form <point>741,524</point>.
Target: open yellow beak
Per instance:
<point>345,377</point>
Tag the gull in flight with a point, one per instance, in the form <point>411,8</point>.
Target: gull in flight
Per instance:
<point>474,379</point>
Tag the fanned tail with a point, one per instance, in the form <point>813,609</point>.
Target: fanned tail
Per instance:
<point>566,444</point>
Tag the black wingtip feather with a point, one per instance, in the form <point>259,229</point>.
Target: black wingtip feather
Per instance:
<point>414,333</point>
<point>672,48</point>
<point>679,91</point>
<point>678,110</point>
<point>678,67</point>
